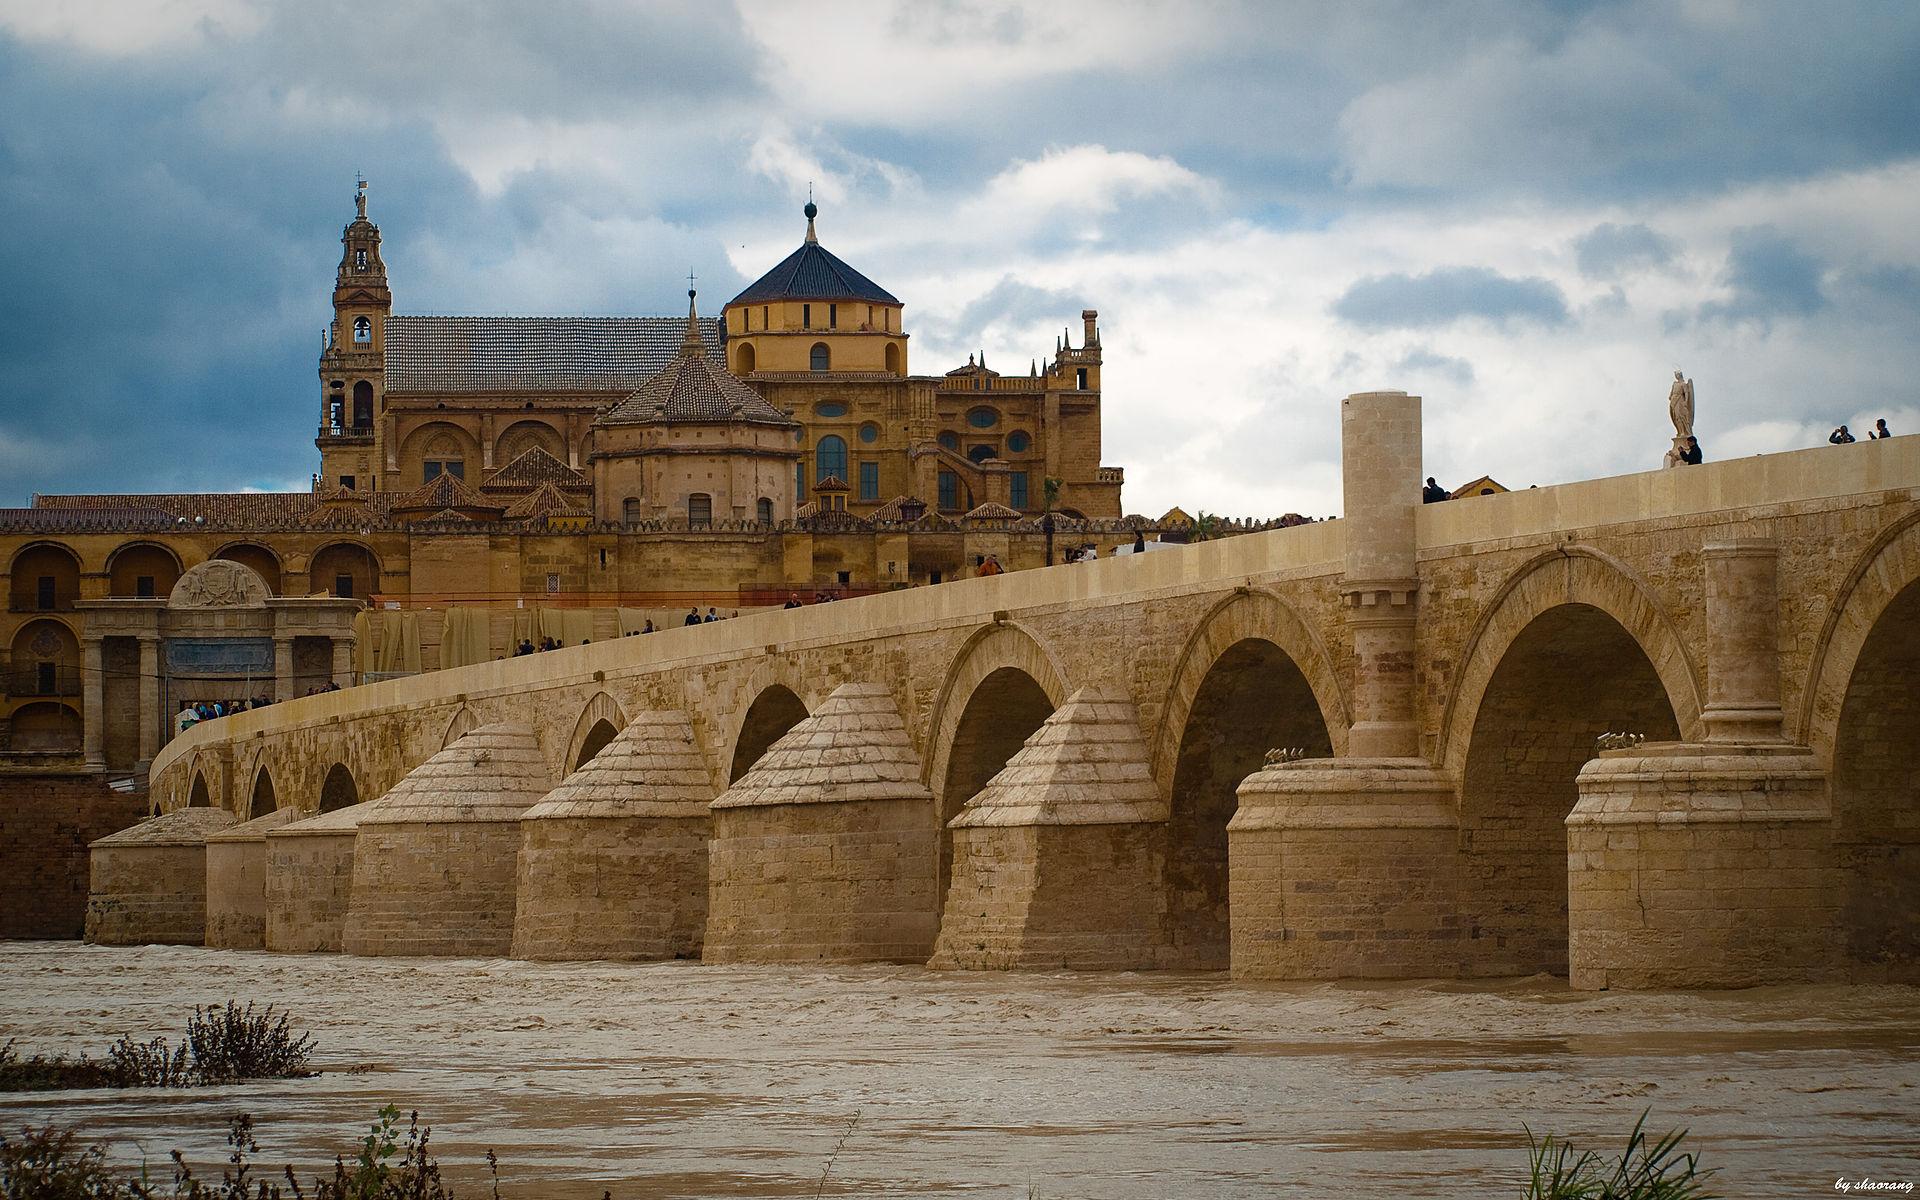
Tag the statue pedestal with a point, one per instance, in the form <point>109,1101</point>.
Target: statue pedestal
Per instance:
<point>1345,868</point>
<point>1675,452</point>
<point>1701,866</point>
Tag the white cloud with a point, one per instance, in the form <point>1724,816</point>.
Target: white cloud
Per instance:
<point>129,27</point>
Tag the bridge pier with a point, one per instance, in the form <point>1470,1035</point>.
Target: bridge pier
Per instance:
<point>1349,867</point>
<point>1710,865</point>
<point>1057,861</point>
<point>613,862</point>
<point>825,850</point>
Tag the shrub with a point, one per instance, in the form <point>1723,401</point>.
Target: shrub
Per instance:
<point>223,1045</point>
<point>234,1043</point>
<point>1643,1172</point>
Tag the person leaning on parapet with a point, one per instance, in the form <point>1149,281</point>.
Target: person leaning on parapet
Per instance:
<point>1692,453</point>
<point>991,566</point>
<point>793,600</point>
<point>1879,430</point>
<point>1433,493</point>
<point>693,616</point>
<point>1840,437</point>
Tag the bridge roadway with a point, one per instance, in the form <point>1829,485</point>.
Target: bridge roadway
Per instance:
<point>1442,673</point>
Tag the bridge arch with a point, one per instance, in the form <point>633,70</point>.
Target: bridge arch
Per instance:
<point>1570,650</point>
<point>1861,713</point>
<point>338,789</point>
<point>262,801</point>
<point>1578,575</point>
<point>199,795</point>
<point>779,702</point>
<point>1253,676</point>
<point>1003,684</point>
<point>459,726</point>
<point>600,721</point>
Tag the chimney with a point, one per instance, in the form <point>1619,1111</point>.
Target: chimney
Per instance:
<point>1087,318</point>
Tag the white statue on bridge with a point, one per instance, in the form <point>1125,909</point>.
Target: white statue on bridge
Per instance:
<point>1680,409</point>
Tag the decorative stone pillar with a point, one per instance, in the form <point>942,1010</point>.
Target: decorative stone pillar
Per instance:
<point>282,669</point>
<point>1743,652</point>
<point>93,701</point>
<point>1349,867</point>
<point>1709,865</point>
<point>1380,478</point>
<point>151,718</point>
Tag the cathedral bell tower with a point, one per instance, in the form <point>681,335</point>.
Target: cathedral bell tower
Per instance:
<point>353,359</point>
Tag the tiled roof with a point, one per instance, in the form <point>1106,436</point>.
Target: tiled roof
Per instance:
<point>892,509</point>
<point>991,512</point>
<point>545,500</point>
<point>443,491</point>
<point>226,508</point>
<point>531,468</point>
<point>459,354</point>
<point>694,388</point>
<point>813,273</point>
<point>832,483</point>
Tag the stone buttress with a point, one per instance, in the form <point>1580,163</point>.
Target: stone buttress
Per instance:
<point>613,862</point>
<point>310,880</point>
<point>827,847</point>
<point>1057,861</point>
<point>1349,867</point>
<point>435,859</point>
<point>237,882</point>
<point>148,884</point>
<point>1710,865</point>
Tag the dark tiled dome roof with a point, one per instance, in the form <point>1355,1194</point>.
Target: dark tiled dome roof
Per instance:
<point>813,273</point>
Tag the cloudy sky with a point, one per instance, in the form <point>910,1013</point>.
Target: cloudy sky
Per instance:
<point>1528,213</point>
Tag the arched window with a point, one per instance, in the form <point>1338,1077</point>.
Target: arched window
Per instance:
<point>817,359</point>
<point>743,359</point>
<point>363,405</point>
<point>893,358</point>
<point>830,459</point>
<point>763,511</point>
<point>360,259</point>
<point>980,454</point>
<point>949,440</point>
<point>362,329</point>
<point>630,510</point>
<point>699,509</point>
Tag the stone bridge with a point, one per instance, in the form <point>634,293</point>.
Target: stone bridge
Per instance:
<point>1070,766</point>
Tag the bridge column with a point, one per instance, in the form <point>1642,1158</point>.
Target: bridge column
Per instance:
<point>1349,867</point>
<point>1709,865</point>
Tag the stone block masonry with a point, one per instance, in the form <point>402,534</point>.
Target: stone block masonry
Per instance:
<point>46,823</point>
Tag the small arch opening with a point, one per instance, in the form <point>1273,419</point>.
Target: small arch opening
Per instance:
<point>598,739</point>
<point>338,791</point>
<point>198,795</point>
<point>263,801</point>
<point>771,715</point>
<point>818,358</point>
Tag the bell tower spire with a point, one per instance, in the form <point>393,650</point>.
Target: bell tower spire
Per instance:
<point>353,361</point>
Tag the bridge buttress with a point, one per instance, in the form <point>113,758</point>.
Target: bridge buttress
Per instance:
<point>1710,865</point>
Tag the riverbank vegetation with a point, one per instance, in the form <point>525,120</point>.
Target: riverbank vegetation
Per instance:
<point>222,1045</point>
<point>1645,1171</point>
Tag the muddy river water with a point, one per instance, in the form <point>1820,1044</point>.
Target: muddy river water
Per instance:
<point>683,1080</point>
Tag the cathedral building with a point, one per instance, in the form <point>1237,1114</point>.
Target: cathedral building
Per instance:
<point>405,399</point>
<point>488,480</point>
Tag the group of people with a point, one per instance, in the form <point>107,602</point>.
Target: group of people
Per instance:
<point>1840,436</point>
<point>794,600</point>
<point>526,645</point>
<point>192,712</point>
<point>694,617</point>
